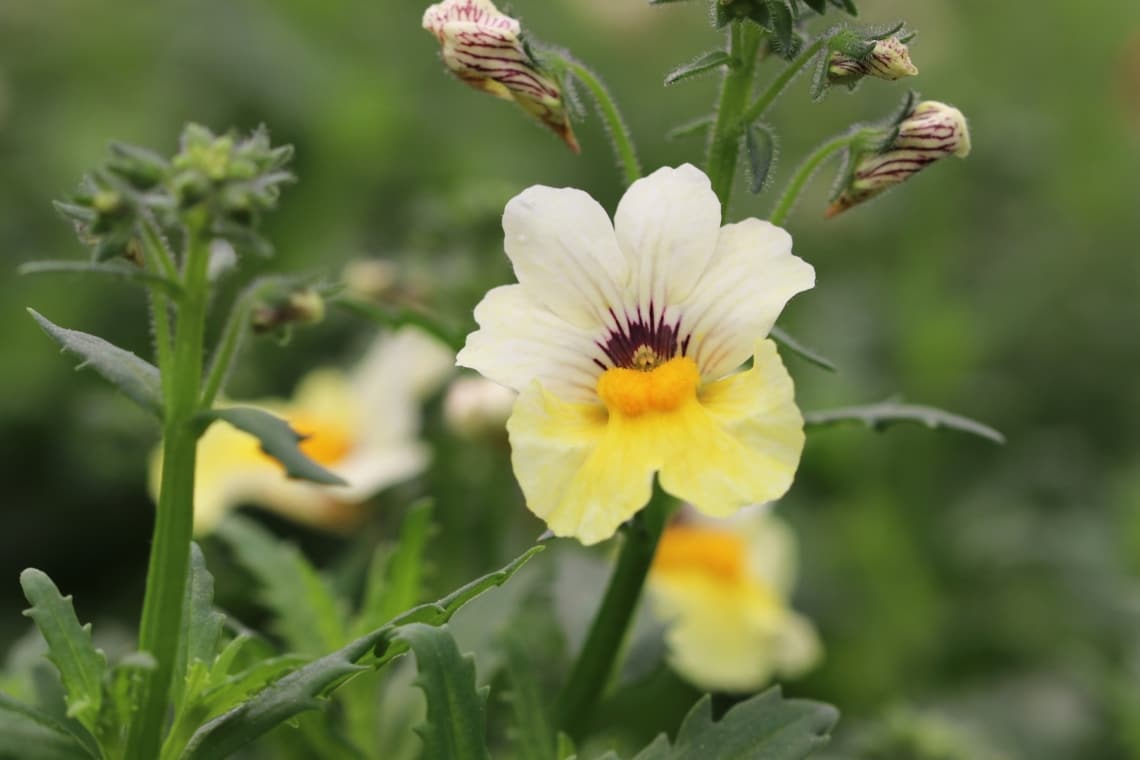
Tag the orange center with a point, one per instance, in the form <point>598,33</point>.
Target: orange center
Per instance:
<point>325,443</point>
<point>633,392</point>
<point>707,551</point>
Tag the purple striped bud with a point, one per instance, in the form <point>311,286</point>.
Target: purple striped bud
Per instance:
<point>931,131</point>
<point>889,59</point>
<point>483,48</point>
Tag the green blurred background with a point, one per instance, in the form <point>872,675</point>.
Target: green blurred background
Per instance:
<point>959,586</point>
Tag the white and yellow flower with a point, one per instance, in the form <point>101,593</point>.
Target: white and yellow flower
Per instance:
<point>624,341</point>
<point>722,588</point>
<point>362,426</point>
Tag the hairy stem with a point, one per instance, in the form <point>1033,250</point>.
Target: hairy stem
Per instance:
<point>803,173</point>
<point>724,144</point>
<point>619,133</point>
<point>768,97</point>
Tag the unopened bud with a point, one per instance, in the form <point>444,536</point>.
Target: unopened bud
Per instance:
<point>475,406</point>
<point>931,131</point>
<point>482,47</point>
<point>299,307</point>
<point>140,167</point>
<point>889,59</point>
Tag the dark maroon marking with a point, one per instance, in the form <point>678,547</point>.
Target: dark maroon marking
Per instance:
<point>637,331</point>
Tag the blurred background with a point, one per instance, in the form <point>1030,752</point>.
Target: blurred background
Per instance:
<point>967,594</point>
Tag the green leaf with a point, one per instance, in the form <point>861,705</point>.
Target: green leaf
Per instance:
<point>761,145</point>
<point>307,615</point>
<point>117,270</point>
<point>121,695</point>
<point>886,413</point>
<point>29,734</point>
<point>203,623</point>
<point>764,727</point>
<point>846,5</point>
<point>819,6</point>
<point>278,440</point>
<point>304,689</point>
<point>136,378</point>
<point>702,64</point>
<point>395,318</point>
<point>456,724</point>
<point>800,350</point>
<point>695,127</point>
<point>395,578</point>
<point>781,22</point>
<point>81,666</point>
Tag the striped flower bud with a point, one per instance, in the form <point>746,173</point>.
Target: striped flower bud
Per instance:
<point>483,48</point>
<point>889,59</point>
<point>931,131</point>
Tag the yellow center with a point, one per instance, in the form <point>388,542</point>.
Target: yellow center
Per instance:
<point>632,392</point>
<point>705,551</point>
<point>325,443</point>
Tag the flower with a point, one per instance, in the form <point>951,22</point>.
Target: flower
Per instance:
<point>483,48</point>
<point>623,341</point>
<point>889,59</point>
<point>722,587</point>
<point>931,131</point>
<point>361,426</point>
<point>474,406</point>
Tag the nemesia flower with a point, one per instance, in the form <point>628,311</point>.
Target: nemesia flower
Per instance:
<point>362,426</point>
<point>932,131</point>
<point>624,339</point>
<point>890,60</point>
<point>473,406</point>
<point>482,47</point>
<point>721,586</point>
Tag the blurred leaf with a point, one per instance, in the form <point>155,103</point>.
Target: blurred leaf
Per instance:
<point>203,623</point>
<point>819,6</point>
<point>395,577</point>
<point>395,318</point>
<point>886,413</point>
<point>115,269</point>
<point>29,734</point>
<point>713,59</point>
<point>136,378</point>
<point>799,349</point>
<point>690,128</point>
<point>81,666</point>
<point>278,440</point>
<point>761,145</point>
<point>456,723</point>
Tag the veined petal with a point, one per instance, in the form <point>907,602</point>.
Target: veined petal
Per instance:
<point>565,253</point>
<point>750,279</point>
<point>519,340</point>
<point>667,225</point>
<point>481,13</point>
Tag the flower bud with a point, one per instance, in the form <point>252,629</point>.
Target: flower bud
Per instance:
<point>475,406</point>
<point>302,306</point>
<point>931,131</point>
<point>889,59</point>
<point>483,48</point>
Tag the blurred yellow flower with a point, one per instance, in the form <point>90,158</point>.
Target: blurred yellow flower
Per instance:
<point>362,426</point>
<point>722,588</point>
<point>624,339</point>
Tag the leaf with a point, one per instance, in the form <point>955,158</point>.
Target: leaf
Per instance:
<point>764,727</point>
<point>278,440</point>
<point>846,5</point>
<point>690,128</point>
<point>761,145</point>
<point>395,577</point>
<point>800,350</point>
<point>456,724</point>
<point>29,734</point>
<point>123,688</point>
<point>819,6</point>
<point>702,64</point>
<point>114,269</point>
<point>782,25</point>
<point>136,378</point>
<point>886,413</point>
<point>81,666</point>
<point>303,689</point>
<point>398,317</point>
<point>203,623</point>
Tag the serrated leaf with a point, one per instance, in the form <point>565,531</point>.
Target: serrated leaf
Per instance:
<point>203,623</point>
<point>799,349</point>
<point>136,378</point>
<point>121,696</point>
<point>278,440</point>
<point>303,689</point>
<point>886,413</point>
<point>395,577</point>
<point>81,666</point>
<point>764,727</point>
<point>115,270</point>
<point>29,734</point>
<point>761,149</point>
<point>702,64</point>
<point>456,724</point>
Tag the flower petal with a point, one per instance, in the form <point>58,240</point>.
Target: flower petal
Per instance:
<point>519,340</point>
<point>565,254</point>
<point>667,227</point>
<point>752,275</point>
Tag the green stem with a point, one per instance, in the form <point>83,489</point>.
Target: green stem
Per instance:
<point>161,626</point>
<point>724,145</point>
<point>619,133</point>
<point>768,97</point>
<point>232,335</point>
<point>796,185</point>
<point>159,258</point>
<point>591,671</point>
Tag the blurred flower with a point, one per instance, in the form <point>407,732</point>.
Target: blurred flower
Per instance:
<point>474,406</point>
<point>889,59</point>
<point>931,131</point>
<point>362,426</point>
<point>722,588</point>
<point>370,279</point>
<point>282,308</point>
<point>483,47</point>
<point>623,341</point>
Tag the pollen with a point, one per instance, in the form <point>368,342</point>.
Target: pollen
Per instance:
<point>633,392</point>
<point>693,549</point>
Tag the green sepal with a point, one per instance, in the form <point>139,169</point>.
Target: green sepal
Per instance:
<point>278,440</point>
<point>115,270</point>
<point>886,413</point>
<point>702,64</point>
<point>140,167</point>
<point>31,734</point>
<point>138,379</point>
<point>781,23</point>
<point>760,146</point>
<point>851,44</point>
<point>799,349</point>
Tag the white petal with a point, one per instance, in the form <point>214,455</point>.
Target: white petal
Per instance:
<point>519,341</point>
<point>736,301</point>
<point>667,227</point>
<point>564,252</point>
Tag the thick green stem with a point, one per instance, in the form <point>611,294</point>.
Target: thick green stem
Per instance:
<point>161,626</point>
<point>619,133</point>
<point>724,145</point>
<point>796,185</point>
<point>595,662</point>
<point>768,97</point>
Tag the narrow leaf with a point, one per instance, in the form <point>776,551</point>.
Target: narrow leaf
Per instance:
<point>695,127</point>
<point>782,25</point>
<point>111,269</point>
<point>713,59</point>
<point>761,145</point>
<point>203,623</point>
<point>136,378</point>
<point>278,440</point>
<point>29,734</point>
<point>886,413</point>
<point>800,350</point>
